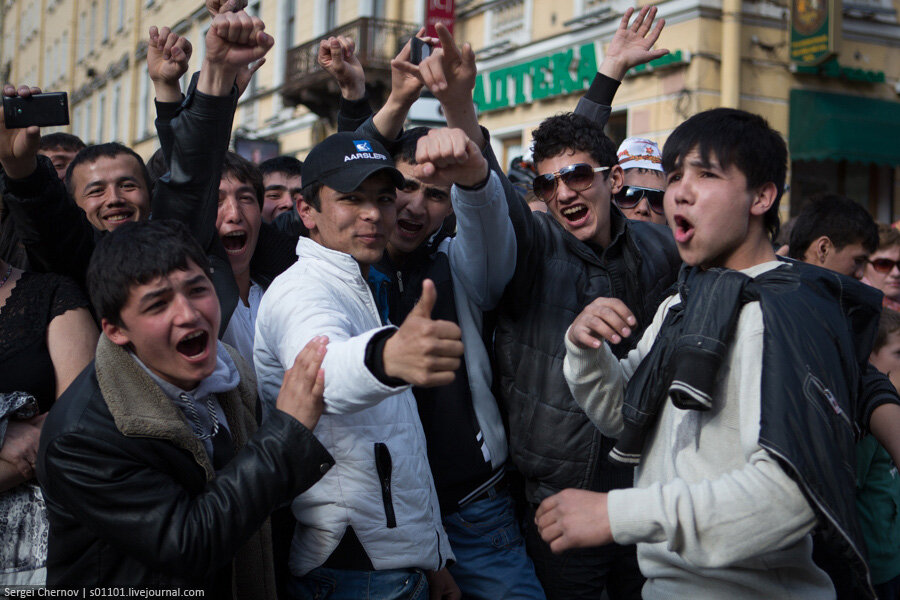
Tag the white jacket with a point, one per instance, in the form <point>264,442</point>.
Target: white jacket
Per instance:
<point>324,293</point>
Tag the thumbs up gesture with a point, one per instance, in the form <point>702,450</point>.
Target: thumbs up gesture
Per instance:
<point>424,352</point>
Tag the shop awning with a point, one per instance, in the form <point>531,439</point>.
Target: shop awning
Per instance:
<point>837,127</point>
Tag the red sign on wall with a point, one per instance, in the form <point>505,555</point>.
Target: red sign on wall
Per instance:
<point>438,11</point>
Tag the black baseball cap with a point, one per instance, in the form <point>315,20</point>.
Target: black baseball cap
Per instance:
<point>344,160</point>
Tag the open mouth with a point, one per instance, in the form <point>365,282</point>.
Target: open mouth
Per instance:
<point>683,229</point>
<point>409,227</point>
<point>193,345</point>
<point>118,217</point>
<point>574,214</point>
<point>234,242</point>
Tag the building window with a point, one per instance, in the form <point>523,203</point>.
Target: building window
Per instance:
<point>143,99</point>
<point>114,113</point>
<point>121,23</point>
<point>101,118</point>
<point>253,9</point>
<point>331,11</point>
<point>106,10</point>
<point>93,25</point>
<point>287,32</point>
<point>508,24</point>
<point>86,122</point>
<point>64,61</point>
<point>82,34</point>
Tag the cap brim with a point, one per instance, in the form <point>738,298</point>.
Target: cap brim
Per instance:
<point>349,179</point>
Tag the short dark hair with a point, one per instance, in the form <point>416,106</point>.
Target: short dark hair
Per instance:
<point>63,141</point>
<point>735,137</point>
<point>406,149</point>
<point>569,131</point>
<point>844,221</point>
<point>244,171</point>
<point>157,165</point>
<point>135,254</point>
<point>310,195</point>
<point>281,164</point>
<point>92,153</point>
<point>888,324</point>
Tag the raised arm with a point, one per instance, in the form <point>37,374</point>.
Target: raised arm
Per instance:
<point>405,90</point>
<point>168,55</point>
<point>483,253</point>
<point>203,129</point>
<point>54,231</point>
<point>449,74</point>
<point>632,45</point>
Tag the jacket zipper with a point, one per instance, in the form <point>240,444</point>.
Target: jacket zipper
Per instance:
<point>400,281</point>
<point>383,466</point>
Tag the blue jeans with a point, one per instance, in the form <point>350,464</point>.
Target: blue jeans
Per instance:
<point>491,562</point>
<point>340,584</point>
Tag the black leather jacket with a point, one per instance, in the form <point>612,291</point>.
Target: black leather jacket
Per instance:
<point>819,330</point>
<point>552,442</point>
<point>133,501</point>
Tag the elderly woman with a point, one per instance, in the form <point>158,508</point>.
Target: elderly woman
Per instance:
<point>883,268</point>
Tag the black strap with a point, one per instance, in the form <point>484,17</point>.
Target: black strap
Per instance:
<point>223,448</point>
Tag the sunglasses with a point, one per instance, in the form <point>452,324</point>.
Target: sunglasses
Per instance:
<point>884,265</point>
<point>577,177</point>
<point>630,196</point>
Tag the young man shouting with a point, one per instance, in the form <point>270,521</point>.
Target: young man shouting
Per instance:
<point>152,466</point>
<point>741,392</point>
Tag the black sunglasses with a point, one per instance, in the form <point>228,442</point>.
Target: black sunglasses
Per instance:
<point>630,196</point>
<point>577,177</point>
<point>884,265</point>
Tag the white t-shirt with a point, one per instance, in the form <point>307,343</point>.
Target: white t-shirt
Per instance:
<point>241,327</point>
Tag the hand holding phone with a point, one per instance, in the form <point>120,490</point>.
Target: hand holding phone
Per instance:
<point>43,110</point>
<point>420,50</point>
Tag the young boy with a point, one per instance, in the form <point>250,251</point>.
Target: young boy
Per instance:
<point>738,468</point>
<point>835,233</point>
<point>152,466</point>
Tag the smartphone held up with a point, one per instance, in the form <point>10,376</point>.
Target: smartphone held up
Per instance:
<point>43,110</point>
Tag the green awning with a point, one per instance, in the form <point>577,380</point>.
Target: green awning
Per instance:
<point>837,127</point>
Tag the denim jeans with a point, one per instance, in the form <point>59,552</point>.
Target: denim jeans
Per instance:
<point>491,562</point>
<point>339,584</point>
<point>584,573</point>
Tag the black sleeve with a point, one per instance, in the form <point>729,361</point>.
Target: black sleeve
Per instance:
<point>165,112</point>
<point>353,113</point>
<point>597,102</point>
<point>189,192</point>
<point>374,359</point>
<point>148,514</point>
<point>876,389</point>
<point>55,233</point>
<point>529,242</point>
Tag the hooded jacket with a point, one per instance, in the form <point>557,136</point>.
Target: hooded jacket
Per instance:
<point>133,499</point>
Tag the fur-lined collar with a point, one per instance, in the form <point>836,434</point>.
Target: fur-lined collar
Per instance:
<point>141,409</point>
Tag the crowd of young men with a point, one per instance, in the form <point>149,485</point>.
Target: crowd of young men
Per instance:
<point>378,374</point>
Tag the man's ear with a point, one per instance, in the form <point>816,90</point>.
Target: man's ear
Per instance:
<point>763,199</point>
<point>822,247</point>
<point>307,214</point>
<point>616,179</point>
<point>117,334</point>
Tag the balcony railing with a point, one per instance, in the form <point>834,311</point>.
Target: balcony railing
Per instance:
<point>377,42</point>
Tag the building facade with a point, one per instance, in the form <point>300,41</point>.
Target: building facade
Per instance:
<point>839,114</point>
